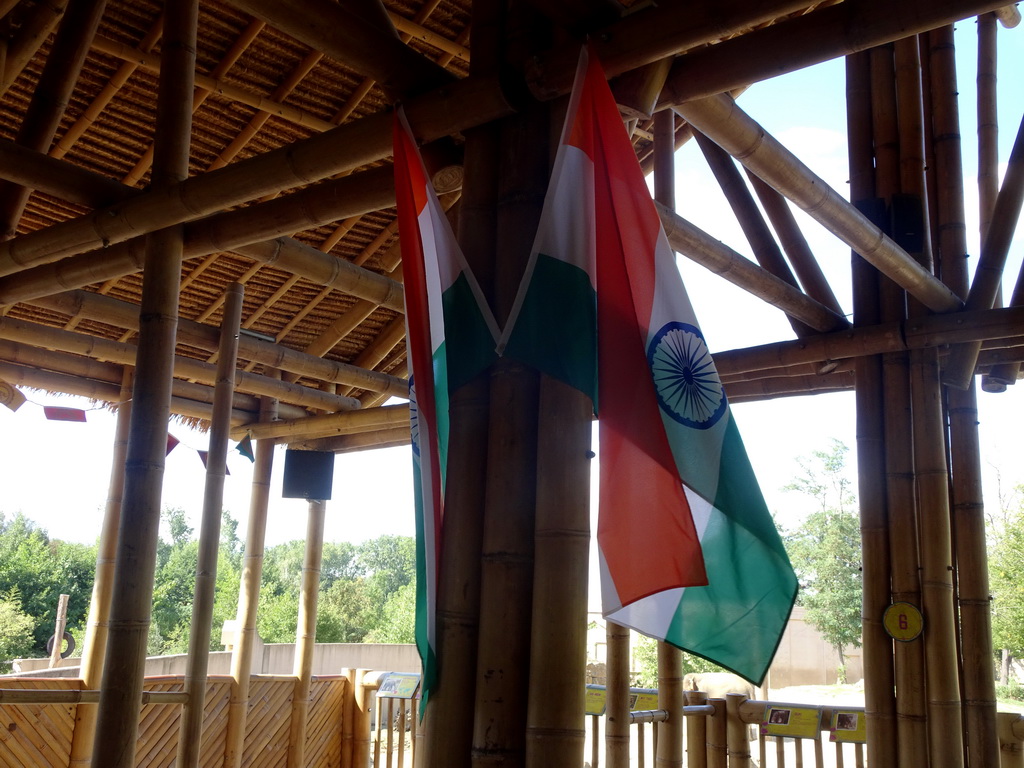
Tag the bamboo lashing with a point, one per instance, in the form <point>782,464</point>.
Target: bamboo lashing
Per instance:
<point>805,40</point>
<point>879,681</point>
<point>209,535</point>
<point>117,723</point>
<point>722,120</point>
<point>959,368</point>
<point>976,663</point>
<point>248,594</point>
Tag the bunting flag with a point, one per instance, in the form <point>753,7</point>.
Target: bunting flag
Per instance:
<point>451,335</point>
<point>244,447</point>
<point>204,456</point>
<point>172,442</point>
<point>58,413</point>
<point>688,550</point>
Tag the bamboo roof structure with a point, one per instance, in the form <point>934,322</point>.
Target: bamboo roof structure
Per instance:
<point>316,250</point>
<point>166,167</point>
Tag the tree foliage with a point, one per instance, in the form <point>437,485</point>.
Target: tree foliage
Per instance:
<point>825,549</point>
<point>1006,566</point>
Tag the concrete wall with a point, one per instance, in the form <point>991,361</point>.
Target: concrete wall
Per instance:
<point>804,658</point>
<point>268,659</point>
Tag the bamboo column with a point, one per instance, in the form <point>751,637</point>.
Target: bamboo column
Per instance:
<point>736,732</point>
<point>669,750</point>
<point>121,691</point>
<point>965,462</point>
<point>305,633</point>
<point>95,642</point>
<point>911,713</point>
<point>878,667</point>
<point>448,716</point>
<point>616,715</point>
<point>696,733</point>
<point>209,535</point>
<point>248,594</point>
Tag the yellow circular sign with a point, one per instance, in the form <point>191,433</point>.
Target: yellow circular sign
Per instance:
<point>903,622</point>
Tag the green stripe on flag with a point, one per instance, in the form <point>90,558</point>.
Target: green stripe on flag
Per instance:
<point>468,339</point>
<point>556,331</point>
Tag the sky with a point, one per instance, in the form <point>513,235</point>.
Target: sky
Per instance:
<point>57,472</point>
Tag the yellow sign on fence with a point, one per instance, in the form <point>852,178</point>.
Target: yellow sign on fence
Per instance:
<point>848,726</point>
<point>794,722</point>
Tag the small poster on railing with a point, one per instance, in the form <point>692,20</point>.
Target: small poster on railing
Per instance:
<point>597,699</point>
<point>790,721</point>
<point>848,726</point>
<point>398,685</point>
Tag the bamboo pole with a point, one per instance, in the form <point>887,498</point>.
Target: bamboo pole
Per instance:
<point>50,97</point>
<point>124,314</point>
<point>31,36</point>
<point>878,667</point>
<point>763,245</point>
<point>305,633</point>
<point>117,724</point>
<point>721,119</point>
<point>1008,15</point>
<point>556,710</point>
<point>384,438</point>
<point>507,568</point>
<point>794,244</point>
<point>808,39</point>
<point>361,725</point>
<point>209,536</point>
<point>717,735</point>
<point>736,732</point>
<point>346,422</point>
<point>248,595</point>
<point>696,732</point>
<point>341,149</point>
<point>888,117</point>
<point>58,631</point>
<point>28,167</point>
<point>711,253</point>
<point>95,641</point>
<point>988,122</point>
<point>959,370</point>
<point>448,716</point>
<point>616,735</point>
<point>965,463</point>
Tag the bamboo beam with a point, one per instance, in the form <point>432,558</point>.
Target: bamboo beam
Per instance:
<point>721,119</point>
<point>419,32</point>
<point>248,594</point>
<point>754,228</point>
<point>915,333</point>
<point>209,536</point>
<point>31,168</point>
<point>121,691</point>
<point>704,249</point>
<point>794,244</point>
<point>988,122</point>
<point>383,438</point>
<point>125,354</point>
<point>305,632</point>
<point>788,386</point>
<point>50,97</point>
<point>656,33</point>
<point>123,314</point>
<point>825,33</point>
<point>32,35</point>
<point>341,149</point>
<point>346,423</point>
<point>353,40</point>
<point>1008,15</point>
<point>959,370</point>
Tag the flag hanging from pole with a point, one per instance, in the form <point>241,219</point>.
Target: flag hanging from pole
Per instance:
<point>688,550</point>
<point>450,334</point>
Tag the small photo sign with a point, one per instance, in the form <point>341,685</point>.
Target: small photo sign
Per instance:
<point>642,701</point>
<point>793,722</point>
<point>398,685</point>
<point>848,727</point>
<point>597,699</point>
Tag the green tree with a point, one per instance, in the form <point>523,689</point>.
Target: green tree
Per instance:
<point>1005,566</point>
<point>15,631</point>
<point>825,550</point>
<point>398,619</point>
<point>645,656</point>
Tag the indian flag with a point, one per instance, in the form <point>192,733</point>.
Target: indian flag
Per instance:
<point>450,334</point>
<point>688,550</point>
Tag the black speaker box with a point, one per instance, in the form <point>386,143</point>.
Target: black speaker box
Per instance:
<point>308,475</point>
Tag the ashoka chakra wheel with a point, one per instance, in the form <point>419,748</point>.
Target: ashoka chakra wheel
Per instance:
<point>685,379</point>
